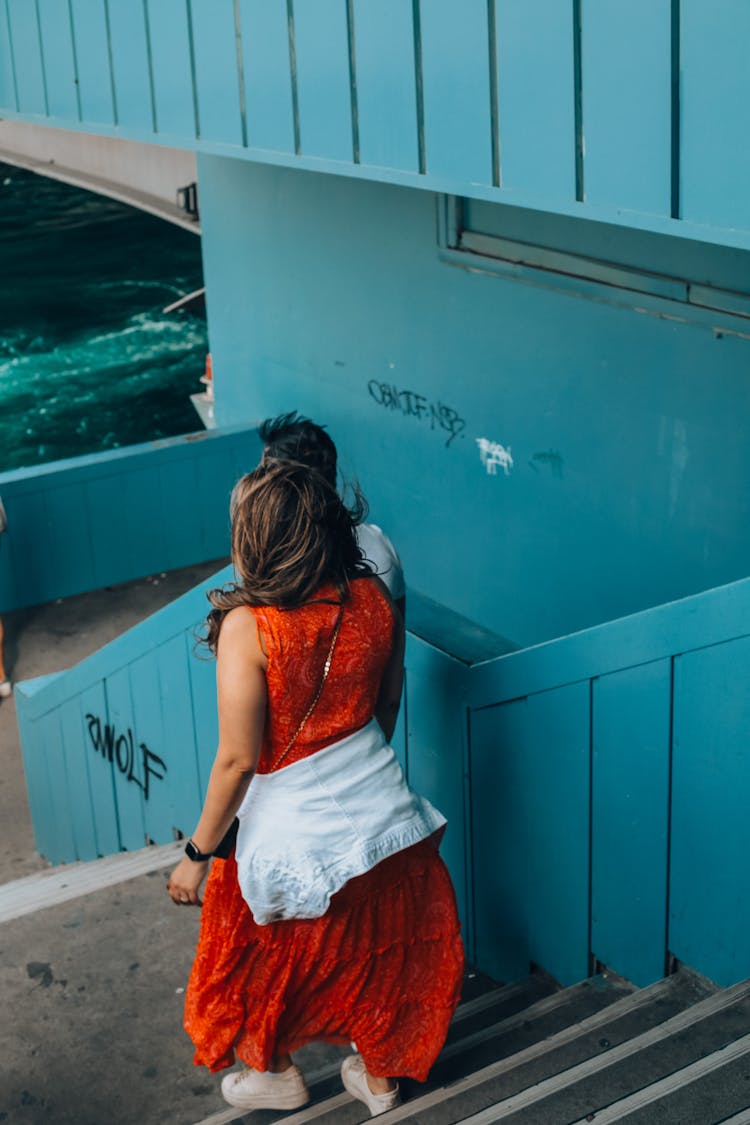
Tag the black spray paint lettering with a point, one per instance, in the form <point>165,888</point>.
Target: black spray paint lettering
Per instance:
<point>414,405</point>
<point>120,751</point>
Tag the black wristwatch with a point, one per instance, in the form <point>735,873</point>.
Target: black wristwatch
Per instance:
<point>192,853</point>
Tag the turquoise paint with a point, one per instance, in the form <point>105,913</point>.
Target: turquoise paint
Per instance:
<point>59,64</point>
<point>386,89</point>
<point>268,81</point>
<point>29,69</point>
<point>630,819</point>
<point>710,890</point>
<point>645,441</point>
<point>537,126</point>
<point>132,81</point>
<point>456,77</point>
<point>323,79</point>
<point>111,517</point>
<point>627,120</point>
<point>715,85</point>
<point>93,62</point>
<point>625,150</point>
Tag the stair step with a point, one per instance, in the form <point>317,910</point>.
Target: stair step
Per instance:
<point>686,1105</point>
<point>526,1106</point>
<point>741,1118</point>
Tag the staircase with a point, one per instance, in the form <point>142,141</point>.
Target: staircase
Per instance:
<point>531,1053</point>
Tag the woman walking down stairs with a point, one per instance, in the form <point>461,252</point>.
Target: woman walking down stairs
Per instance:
<point>531,1053</point>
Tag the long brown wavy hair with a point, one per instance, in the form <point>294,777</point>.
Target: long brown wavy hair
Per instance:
<point>291,534</point>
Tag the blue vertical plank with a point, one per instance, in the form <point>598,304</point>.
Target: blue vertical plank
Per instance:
<point>92,57</point>
<point>130,67</point>
<point>630,811</point>
<point>38,789</point>
<point>212,502</point>
<point>436,734</point>
<point>202,667</point>
<point>323,79</point>
<point>530,808</point>
<point>456,77</point>
<point>178,481</point>
<point>268,80</point>
<point>536,96</point>
<point>715,81</point>
<point>710,881</point>
<point>59,836</point>
<point>172,69</point>
<point>152,749</point>
<point>128,784</point>
<point>386,84</point>
<point>59,61</point>
<point>27,53</point>
<point>69,530</point>
<point>216,74</point>
<point>100,771</point>
<point>7,78</point>
<point>28,550</point>
<point>144,516</point>
<point>78,791</point>
<point>627,122</point>
<point>110,544</point>
<point>179,734</point>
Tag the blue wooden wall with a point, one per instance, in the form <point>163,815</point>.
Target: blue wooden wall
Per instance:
<point>625,412</point>
<point>627,111</point>
<point>596,786</point>
<point>93,521</point>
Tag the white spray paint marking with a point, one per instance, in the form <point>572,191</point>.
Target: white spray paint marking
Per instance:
<point>492,454</point>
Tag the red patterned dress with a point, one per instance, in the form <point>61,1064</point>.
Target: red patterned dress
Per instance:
<point>383,966</point>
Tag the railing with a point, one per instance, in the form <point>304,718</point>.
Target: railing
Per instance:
<point>93,521</point>
<point>586,108</point>
<point>597,795</point>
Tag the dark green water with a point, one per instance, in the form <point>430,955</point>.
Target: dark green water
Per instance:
<point>88,360</point>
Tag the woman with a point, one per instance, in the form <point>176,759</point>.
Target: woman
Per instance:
<point>351,932</point>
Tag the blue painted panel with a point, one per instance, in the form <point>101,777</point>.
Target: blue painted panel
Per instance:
<point>101,780</point>
<point>68,528</point>
<point>110,554</point>
<point>28,56</point>
<point>386,84</point>
<point>627,125</point>
<point>715,82</point>
<point>77,790</point>
<point>536,97</point>
<point>179,748</point>
<point>59,837</point>
<point>710,878</point>
<point>630,808</point>
<point>7,87</point>
<point>530,809</point>
<point>214,489</point>
<point>216,75</point>
<point>130,65</point>
<point>59,63</point>
<point>144,516</point>
<point>38,789</point>
<point>92,57</point>
<point>268,82</point>
<point>150,739</point>
<point>179,485</point>
<point>323,82</point>
<point>128,785</point>
<point>436,739</point>
<point>456,78</point>
<point>172,69</point>
<point>205,716</point>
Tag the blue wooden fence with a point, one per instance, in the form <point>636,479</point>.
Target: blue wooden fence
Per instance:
<point>596,786</point>
<point>592,108</point>
<point>93,521</point>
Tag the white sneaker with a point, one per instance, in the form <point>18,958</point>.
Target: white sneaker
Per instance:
<point>255,1089</point>
<point>354,1077</point>
<point>6,689</point>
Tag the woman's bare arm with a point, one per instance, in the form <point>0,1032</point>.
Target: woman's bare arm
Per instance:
<point>241,687</point>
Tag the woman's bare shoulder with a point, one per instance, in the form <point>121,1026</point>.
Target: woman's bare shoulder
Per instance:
<point>239,638</point>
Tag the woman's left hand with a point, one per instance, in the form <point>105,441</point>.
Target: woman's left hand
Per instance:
<point>185,881</point>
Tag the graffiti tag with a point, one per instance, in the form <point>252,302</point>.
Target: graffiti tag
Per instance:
<point>137,766</point>
<point>414,405</point>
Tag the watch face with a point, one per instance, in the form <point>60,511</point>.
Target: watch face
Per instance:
<point>192,852</point>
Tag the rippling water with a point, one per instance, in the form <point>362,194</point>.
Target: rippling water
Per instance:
<point>88,360</point>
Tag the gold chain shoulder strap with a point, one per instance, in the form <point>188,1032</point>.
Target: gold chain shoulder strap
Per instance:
<point>319,692</point>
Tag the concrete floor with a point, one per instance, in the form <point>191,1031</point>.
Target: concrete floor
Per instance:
<point>92,989</point>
